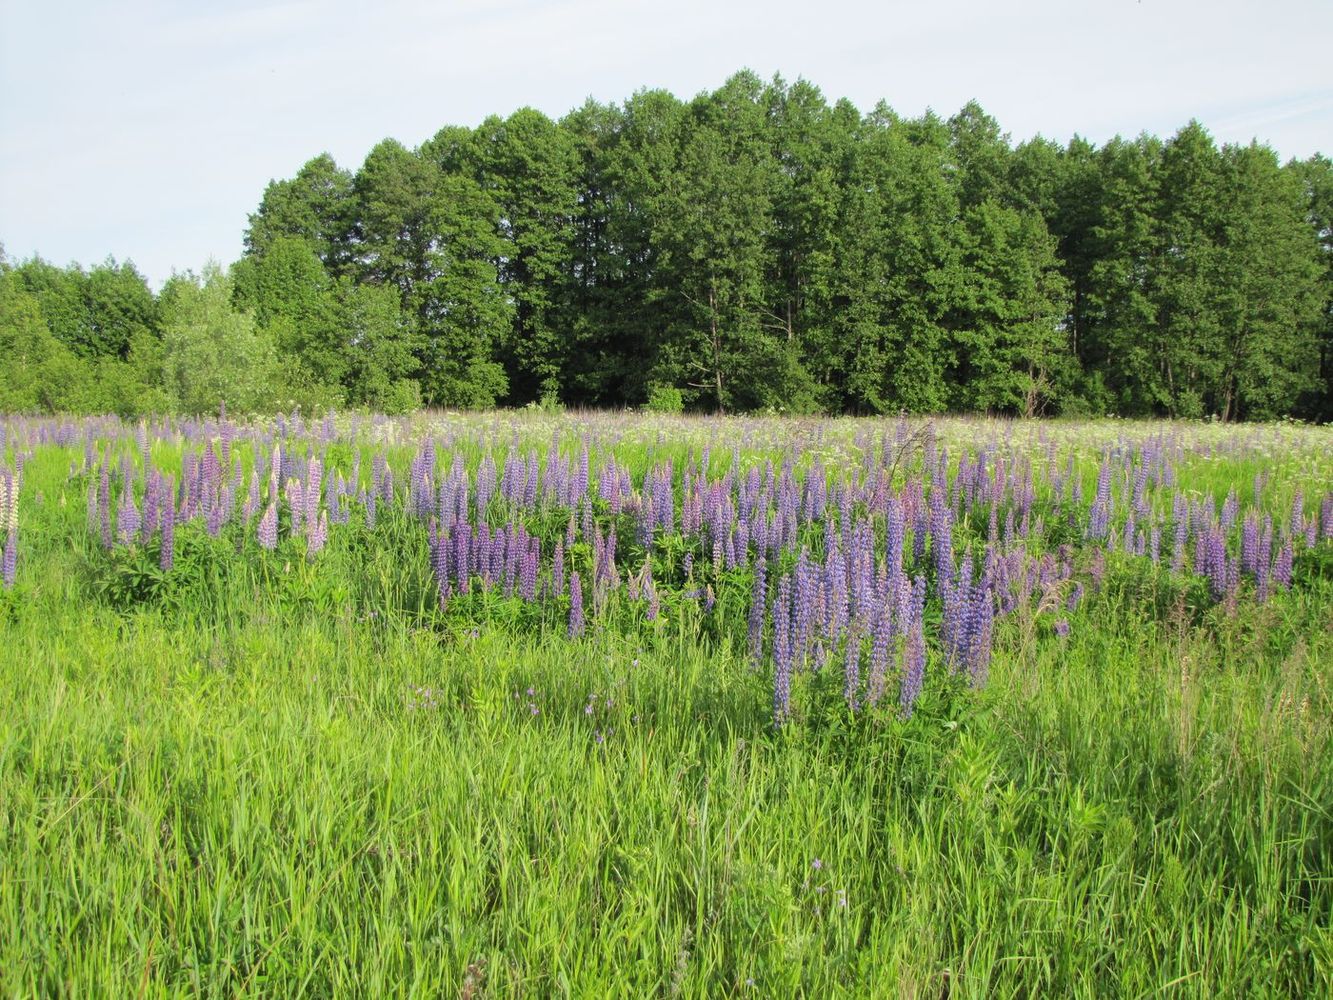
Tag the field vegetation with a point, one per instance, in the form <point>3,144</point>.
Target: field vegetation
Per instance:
<point>544,704</point>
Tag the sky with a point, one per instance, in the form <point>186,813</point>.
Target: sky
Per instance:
<point>147,129</point>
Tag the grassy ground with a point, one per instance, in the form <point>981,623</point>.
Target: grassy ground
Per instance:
<point>255,796</point>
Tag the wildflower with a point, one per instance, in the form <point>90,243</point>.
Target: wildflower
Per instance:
<point>757,599</point>
<point>268,527</point>
<point>9,561</point>
<point>104,505</point>
<point>1282,565</point>
<point>782,652</point>
<point>575,605</point>
<point>167,554</point>
<point>915,669</point>
<point>851,671</point>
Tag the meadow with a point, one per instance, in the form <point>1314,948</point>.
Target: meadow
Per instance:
<point>598,705</point>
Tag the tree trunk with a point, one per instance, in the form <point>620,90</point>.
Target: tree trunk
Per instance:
<point>717,345</point>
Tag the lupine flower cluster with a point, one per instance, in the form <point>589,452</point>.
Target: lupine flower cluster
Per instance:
<point>877,552</point>
<point>10,480</point>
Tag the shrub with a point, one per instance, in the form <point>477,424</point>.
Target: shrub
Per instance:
<point>664,399</point>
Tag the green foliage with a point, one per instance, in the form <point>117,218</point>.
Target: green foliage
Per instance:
<point>39,372</point>
<point>1012,351</point>
<point>664,399</point>
<point>95,314</point>
<point>314,206</point>
<point>433,237</point>
<point>762,250</point>
<point>215,353</point>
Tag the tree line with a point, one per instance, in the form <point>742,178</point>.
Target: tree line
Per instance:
<point>755,248</point>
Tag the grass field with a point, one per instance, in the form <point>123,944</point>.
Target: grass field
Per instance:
<point>356,763</point>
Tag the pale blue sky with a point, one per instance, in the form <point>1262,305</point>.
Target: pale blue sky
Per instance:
<point>147,129</point>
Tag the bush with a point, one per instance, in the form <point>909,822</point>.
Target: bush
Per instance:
<point>664,399</point>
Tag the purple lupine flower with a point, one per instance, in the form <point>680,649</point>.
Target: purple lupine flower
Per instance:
<point>957,601</point>
<point>295,505</point>
<point>802,606</point>
<point>980,622</point>
<point>654,604</point>
<point>558,567</point>
<point>275,472</point>
<point>610,576</point>
<point>587,520</point>
<point>1075,596</point>
<point>211,471</point>
<point>1230,508</point>
<point>1297,528</point>
<point>1326,517</point>
<point>128,521</point>
<point>530,489</point>
<point>1097,568</point>
<point>1282,564</point>
<point>1249,543</point>
<point>1137,503</point>
<point>268,527</point>
<point>758,600</point>
<point>838,609</point>
<point>663,502</point>
<point>575,605</point>
<point>782,652</point>
<point>1264,561</point>
<point>167,553</point>
<point>440,566</point>
<point>152,502</point>
<point>941,534</point>
<point>511,558</point>
<point>9,561</point>
<point>1100,521</point>
<point>1180,515</point>
<point>214,519</point>
<point>485,488</point>
<point>527,588</point>
<point>579,489</point>
<point>316,539</point>
<point>914,671</point>
<point>894,534</point>
<point>851,668</point>
<point>314,482</point>
<point>1062,628</point>
<point>1215,561</point>
<point>251,507</point>
<point>881,637</point>
<point>104,505</point>
<point>93,513</point>
<point>371,502</point>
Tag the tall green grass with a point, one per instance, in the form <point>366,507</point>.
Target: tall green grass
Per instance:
<point>279,779</point>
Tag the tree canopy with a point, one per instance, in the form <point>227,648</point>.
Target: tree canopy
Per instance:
<point>754,248</point>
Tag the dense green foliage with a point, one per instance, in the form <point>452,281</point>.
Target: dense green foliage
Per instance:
<point>263,774</point>
<point>754,248</point>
